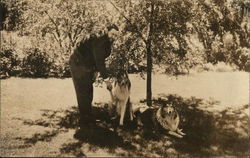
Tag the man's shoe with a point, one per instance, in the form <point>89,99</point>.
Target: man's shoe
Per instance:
<point>98,135</point>
<point>82,134</point>
<point>91,131</point>
<point>85,120</point>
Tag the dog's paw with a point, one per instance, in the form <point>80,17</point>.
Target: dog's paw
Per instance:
<point>131,118</point>
<point>179,131</point>
<point>121,124</point>
<point>114,118</point>
<point>175,134</point>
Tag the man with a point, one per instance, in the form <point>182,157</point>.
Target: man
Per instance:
<point>87,58</point>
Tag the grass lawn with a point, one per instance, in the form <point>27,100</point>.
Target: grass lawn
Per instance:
<point>38,117</point>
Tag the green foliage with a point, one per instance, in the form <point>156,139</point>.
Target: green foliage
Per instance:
<point>181,34</point>
<point>36,64</point>
<point>223,31</point>
<point>12,11</point>
<point>60,70</point>
<point>241,58</point>
<point>9,63</point>
<point>128,54</point>
<point>3,14</point>
<point>62,23</point>
<point>169,34</point>
<point>185,34</point>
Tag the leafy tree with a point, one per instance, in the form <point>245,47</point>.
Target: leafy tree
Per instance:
<point>10,14</point>
<point>58,25</point>
<point>178,35</point>
<point>158,34</point>
<point>173,35</point>
<point>222,28</point>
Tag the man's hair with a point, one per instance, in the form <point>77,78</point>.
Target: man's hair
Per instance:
<point>113,26</point>
<point>99,33</point>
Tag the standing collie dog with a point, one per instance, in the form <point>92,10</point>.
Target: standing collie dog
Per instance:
<point>120,95</point>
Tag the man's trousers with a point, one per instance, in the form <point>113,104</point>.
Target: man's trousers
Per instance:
<point>83,78</point>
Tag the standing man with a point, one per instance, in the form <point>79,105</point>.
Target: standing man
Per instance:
<point>88,58</point>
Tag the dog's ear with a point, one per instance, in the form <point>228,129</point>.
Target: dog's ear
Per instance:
<point>126,73</point>
<point>117,74</point>
<point>163,111</point>
<point>163,105</point>
<point>129,84</point>
<point>120,73</point>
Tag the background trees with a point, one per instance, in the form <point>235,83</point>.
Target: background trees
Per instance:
<point>223,31</point>
<point>159,34</point>
<point>174,36</point>
<point>178,35</point>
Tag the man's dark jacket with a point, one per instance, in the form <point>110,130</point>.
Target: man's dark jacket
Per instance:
<point>94,51</point>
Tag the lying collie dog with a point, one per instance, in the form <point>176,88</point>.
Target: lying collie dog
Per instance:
<point>165,117</point>
<point>120,95</point>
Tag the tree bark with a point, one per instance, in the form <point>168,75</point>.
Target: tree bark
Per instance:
<point>149,75</point>
<point>149,58</point>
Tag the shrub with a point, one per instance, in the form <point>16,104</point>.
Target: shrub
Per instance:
<point>60,69</point>
<point>9,63</point>
<point>36,64</point>
<point>240,59</point>
<point>66,70</point>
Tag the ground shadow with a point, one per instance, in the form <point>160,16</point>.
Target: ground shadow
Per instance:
<point>208,133</point>
<point>72,148</point>
<point>62,120</point>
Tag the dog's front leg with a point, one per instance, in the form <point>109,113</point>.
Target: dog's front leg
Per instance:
<point>123,110</point>
<point>130,110</point>
<point>173,133</point>
<point>179,131</point>
<point>110,88</point>
<point>113,100</point>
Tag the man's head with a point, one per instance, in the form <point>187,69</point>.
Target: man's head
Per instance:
<point>113,26</point>
<point>113,32</point>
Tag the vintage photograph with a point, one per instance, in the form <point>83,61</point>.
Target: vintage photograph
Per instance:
<point>125,78</point>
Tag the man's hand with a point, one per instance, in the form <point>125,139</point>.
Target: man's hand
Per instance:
<point>95,76</point>
<point>103,74</point>
<point>109,85</point>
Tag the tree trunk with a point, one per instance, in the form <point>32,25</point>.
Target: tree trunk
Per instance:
<point>149,58</point>
<point>149,75</point>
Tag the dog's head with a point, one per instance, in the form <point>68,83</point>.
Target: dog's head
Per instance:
<point>122,79</point>
<point>168,117</point>
<point>168,110</point>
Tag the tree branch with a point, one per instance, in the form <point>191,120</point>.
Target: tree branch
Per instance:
<point>78,33</point>
<point>57,29</point>
<point>129,21</point>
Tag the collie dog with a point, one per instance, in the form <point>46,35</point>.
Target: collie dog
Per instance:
<point>120,95</point>
<point>155,118</point>
<point>168,118</point>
